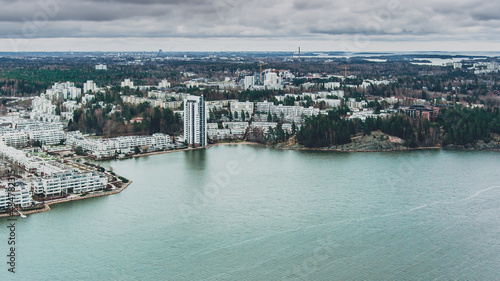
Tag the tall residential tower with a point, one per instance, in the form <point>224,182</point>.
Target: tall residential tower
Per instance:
<point>195,121</point>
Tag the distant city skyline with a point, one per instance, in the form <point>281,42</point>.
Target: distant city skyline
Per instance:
<point>253,25</point>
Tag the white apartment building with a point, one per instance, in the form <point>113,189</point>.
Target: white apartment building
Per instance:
<point>44,117</point>
<point>43,105</point>
<point>230,131</point>
<point>214,105</point>
<point>55,178</point>
<point>46,133</point>
<point>353,104</point>
<point>264,106</point>
<point>220,134</point>
<point>164,84</point>
<point>293,110</point>
<point>101,148</point>
<point>64,91</point>
<point>20,197</point>
<point>264,126</point>
<point>246,107</point>
<point>272,81</point>
<point>101,67</point>
<point>195,121</point>
<point>248,82</point>
<point>127,83</point>
<point>61,179</point>
<point>157,95</point>
<point>331,85</point>
<point>286,75</point>
<point>89,86</point>
<point>154,102</point>
<point>14,138</point>
<point>330,102</point>
<point>238,129</point>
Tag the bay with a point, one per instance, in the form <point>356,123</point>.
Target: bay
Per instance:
<point>254,213</point>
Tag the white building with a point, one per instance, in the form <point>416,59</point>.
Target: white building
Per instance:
<point>264,126</point>
<point>54,178</point>
<point>332,85</point>
<point>248,82</point>
<point>101,67</point>
<point>110,147</point>
<point>272,81</point>
<point>127,83</point>
<point>264,106</point>
<point>60,179</point>
<point>353,104</point>
<point>19,197</point>
<point>43,105</point>
<point>44,117</point>
<point>64,91</point>
<point>89,86</point>
<point>14,138</point>
<point>286,75</point>
<point>330,102</point>
<point>164,84</point>
<point>246,107</point>
<point>46,133</point>
<point>195,121</point>
<point>214,105</point>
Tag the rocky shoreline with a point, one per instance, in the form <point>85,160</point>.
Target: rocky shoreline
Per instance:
<point>380,142</point>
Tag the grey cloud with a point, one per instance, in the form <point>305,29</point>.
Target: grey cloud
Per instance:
<point>250,18</point>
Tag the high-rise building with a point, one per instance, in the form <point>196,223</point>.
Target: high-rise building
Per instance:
<point>272,81</point>
<point>89,86</point>
<point>195,121</point>
<point>248,82</point>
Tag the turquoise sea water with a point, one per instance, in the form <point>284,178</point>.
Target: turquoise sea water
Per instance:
<point>253,213</point>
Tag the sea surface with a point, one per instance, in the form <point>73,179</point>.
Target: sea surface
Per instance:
<point>252,213</point>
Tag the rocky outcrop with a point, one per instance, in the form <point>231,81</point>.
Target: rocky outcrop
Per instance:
<point>480,145</point>
<point>376,141</point>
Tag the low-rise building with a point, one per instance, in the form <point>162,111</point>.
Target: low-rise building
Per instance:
<point>110,147</point>
<point>19,197</point>
<point>246,107</point>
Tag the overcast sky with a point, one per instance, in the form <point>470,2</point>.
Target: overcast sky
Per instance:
<point>249,25</point>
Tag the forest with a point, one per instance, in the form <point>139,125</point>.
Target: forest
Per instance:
<point>456,126</point>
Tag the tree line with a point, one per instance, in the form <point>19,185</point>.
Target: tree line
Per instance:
<point>458,126</point>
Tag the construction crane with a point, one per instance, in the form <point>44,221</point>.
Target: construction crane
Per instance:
<point>345,68</point>
<point>261,63</point>
<point>345,72</point>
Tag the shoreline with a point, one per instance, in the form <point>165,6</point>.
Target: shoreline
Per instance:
<point>161,152</point>
<point>193,148</point>
<point>359,150</point>
<point>379,150</point>
<point>47,204</point>
<point>236,143</point>
<point>304,149</point>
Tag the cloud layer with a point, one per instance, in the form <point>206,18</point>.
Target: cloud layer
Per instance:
<point>390,20</point>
